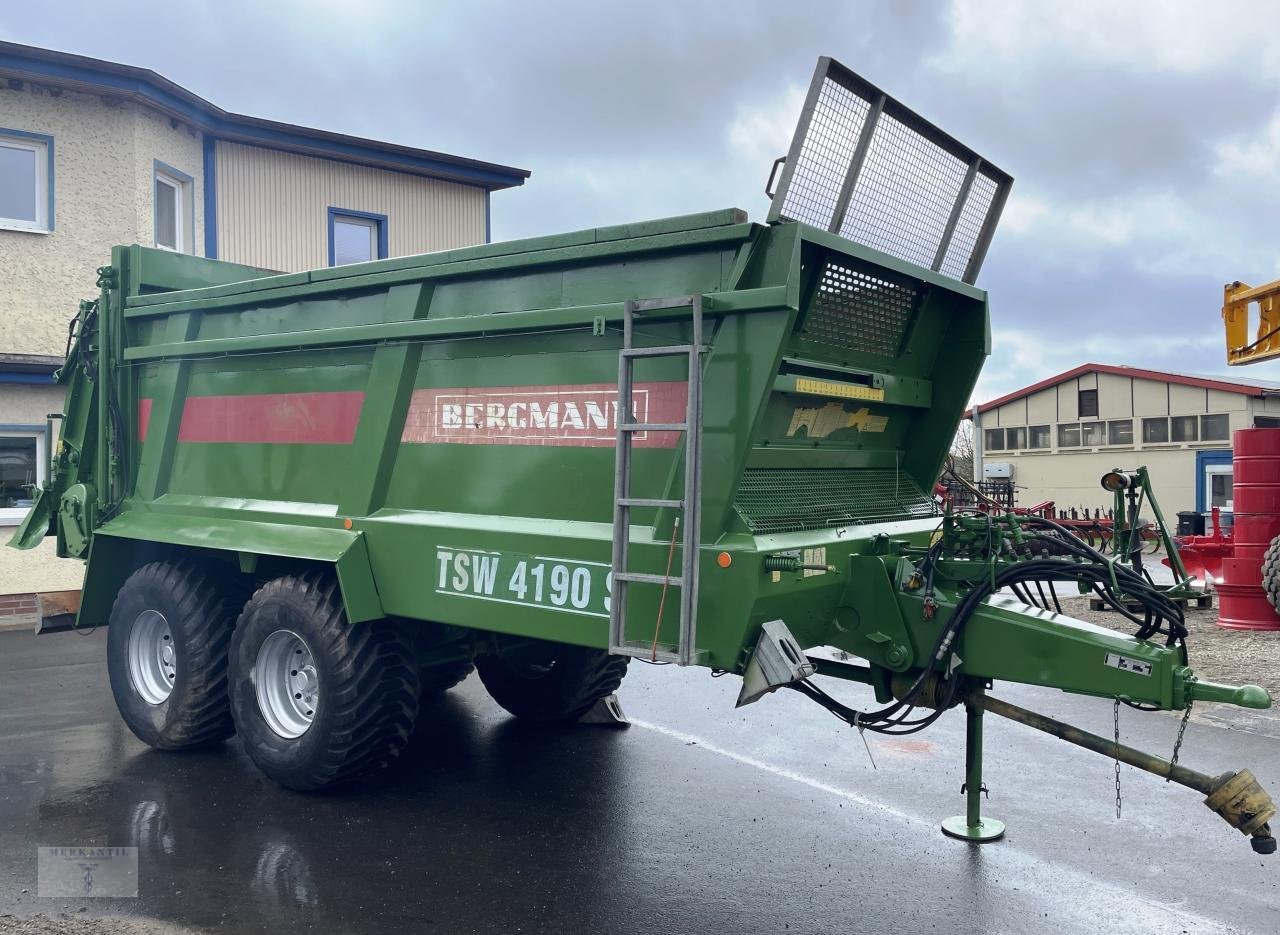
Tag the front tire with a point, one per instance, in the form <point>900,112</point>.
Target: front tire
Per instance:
<point>167,645</point>
<point>1271,574</point>
<point>543,681</point>
<point>319,701</point>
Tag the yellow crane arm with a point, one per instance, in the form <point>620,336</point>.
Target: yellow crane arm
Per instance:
<point>1236,300</point>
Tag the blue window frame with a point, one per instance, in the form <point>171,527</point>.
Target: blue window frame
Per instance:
<point>356,236</point>
<point>26,181</point>
<point>1206,462</point>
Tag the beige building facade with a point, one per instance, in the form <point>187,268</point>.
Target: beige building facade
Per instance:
<point>94,154</point>
<point>1058,437</point>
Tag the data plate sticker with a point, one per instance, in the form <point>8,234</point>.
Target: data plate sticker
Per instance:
<point>562,584</point>
<point>1137,666</point>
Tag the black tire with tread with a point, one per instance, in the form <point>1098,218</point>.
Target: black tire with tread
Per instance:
<point>199,605</point>
<point>542,681</point>
<point>1271,574</point>
<point>369,685</point>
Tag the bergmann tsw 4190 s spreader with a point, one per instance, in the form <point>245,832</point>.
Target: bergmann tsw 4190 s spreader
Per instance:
<point>305,500</point>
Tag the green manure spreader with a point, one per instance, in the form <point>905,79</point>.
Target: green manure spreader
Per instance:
<point>305,501</point>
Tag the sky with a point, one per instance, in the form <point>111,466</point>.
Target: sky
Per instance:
<point>1143,137</point>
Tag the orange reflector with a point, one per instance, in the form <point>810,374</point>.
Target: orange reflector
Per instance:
<point>346,524</point>
<point>724,559</point>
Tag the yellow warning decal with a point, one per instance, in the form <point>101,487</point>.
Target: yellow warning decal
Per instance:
<point>842,390</point>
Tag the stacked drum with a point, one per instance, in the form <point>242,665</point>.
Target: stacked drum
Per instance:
<point>1255,470</point>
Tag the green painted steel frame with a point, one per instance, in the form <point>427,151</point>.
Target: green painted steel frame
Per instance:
<point>542,312</point>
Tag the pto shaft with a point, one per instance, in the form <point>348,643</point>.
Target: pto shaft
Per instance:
<point>1236,797</point>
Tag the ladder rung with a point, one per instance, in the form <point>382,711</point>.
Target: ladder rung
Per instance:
<point>653,305</point>
<point>670,350</point>
<point>642,578</point>
<point>649,501</point>
<point>654,426</point>
<point>638,650</point>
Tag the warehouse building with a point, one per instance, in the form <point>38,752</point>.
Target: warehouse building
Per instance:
<point>94,154</point>
<point>1059,436</point>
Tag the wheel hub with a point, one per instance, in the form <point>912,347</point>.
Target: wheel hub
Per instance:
<point>286,683</point>
<point>152,659</point>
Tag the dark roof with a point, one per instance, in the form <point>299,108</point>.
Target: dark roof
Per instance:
<point>143,84</point>
<point>30,363</point>
<point>1244,387</point>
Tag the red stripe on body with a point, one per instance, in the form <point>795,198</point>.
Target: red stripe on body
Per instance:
<point>272,418</point>
<point>144,418</point>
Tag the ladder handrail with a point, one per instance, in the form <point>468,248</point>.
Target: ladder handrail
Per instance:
<point>690,506</point>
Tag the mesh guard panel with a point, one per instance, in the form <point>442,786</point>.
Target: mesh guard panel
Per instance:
<point>774,500</point>
<point>859,311</point>
<point>864,166</point>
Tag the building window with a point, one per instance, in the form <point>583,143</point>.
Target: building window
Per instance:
<point>1215,428</point>
<point>1093,433</point>
<point>356,237</point>
<point>1069,436</point>
<point>1016,439</point>
<point>1038,436</point>
<point>1088,404</point>
<point>995,439</point>
<point>173,209</point>
<point>1184,428</point>
<point>1120,432</point>
<point>26,181</point>
<point>1220,486</point>
<point>21,470</point>
<point>1155,431</point>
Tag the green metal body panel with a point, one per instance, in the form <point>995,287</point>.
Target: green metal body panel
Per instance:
<point>833,383</point>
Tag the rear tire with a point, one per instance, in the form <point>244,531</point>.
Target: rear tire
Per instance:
<point>1271,574</point>
<point>445,657</point>
<point>438,679</point>
<point>345,710</point>
<point>167,644</point>
<point>542,681</point>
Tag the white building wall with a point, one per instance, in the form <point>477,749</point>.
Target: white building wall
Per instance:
<point>95,207</point>
<point>181,148</point>
<point>104,157</point>
<point>1070,475</point>
<point>273,207</point>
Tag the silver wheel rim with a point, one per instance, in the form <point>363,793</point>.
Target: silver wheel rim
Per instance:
<point>153,661</point>
<point>287,684</point>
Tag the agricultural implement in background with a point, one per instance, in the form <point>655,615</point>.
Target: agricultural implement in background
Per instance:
<point>1249,559</point>
<point>307,500</point>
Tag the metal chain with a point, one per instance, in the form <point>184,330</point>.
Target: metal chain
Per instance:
<point>1177,744</point>
<point>1117,719</point>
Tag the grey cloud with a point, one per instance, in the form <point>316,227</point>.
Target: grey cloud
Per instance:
<point>624,110</point>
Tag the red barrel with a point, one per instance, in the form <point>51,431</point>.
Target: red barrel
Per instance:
<point>1255,481</point>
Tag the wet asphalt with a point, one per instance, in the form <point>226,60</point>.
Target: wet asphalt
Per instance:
<point>697,819</point>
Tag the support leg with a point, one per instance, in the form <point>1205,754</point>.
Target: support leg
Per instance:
<point>971,826</point>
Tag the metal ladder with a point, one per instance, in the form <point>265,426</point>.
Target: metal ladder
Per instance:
<point>690,505</point>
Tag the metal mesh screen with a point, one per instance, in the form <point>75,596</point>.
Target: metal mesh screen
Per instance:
<point>904,195</point>
<point>969,225</point>
<point>834,129</point>
<point>866,167</point>
<point>797,499</point>
<point>859,311</point>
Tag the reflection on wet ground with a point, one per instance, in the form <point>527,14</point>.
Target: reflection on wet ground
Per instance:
<point>702,820</point>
